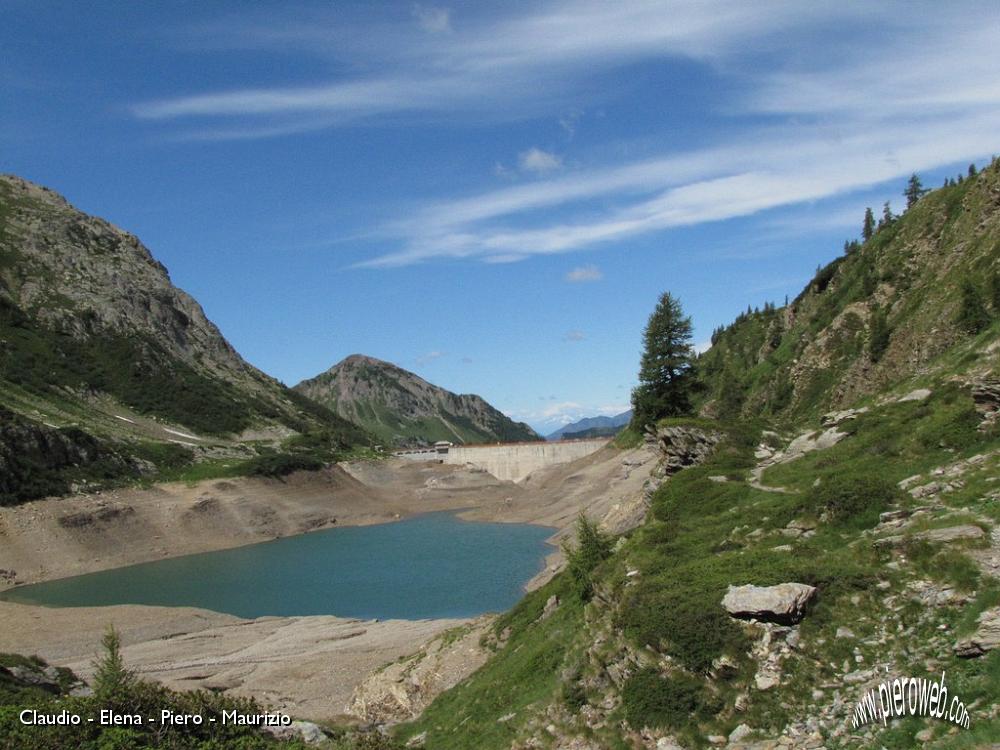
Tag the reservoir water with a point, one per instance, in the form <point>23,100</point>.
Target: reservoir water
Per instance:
<point>430,566</point>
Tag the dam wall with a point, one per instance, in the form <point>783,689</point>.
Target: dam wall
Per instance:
<point>515,461</point>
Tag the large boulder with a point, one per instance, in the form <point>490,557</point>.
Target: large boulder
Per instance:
<point>784,603</point>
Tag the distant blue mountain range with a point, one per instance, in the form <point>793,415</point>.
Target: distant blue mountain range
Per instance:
<point>592,426</point>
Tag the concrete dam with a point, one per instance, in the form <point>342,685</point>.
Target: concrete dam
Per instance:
<point>509,461</point>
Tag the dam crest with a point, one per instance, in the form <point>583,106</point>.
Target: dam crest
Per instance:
<point>507,461</point>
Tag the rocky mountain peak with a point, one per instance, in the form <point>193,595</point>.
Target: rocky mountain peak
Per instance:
<point>403,408</point>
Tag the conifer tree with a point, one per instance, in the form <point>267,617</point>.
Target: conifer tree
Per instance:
<point>593,546</point>
<point>868,228</point>
<point>666,371</point>
<point>914,191</point>
<point>972,170</point>
<point>972,315</point>
<point>113,683</point>
<point>887,217</point>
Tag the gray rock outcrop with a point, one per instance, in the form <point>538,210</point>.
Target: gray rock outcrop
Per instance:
<point>985,639</point>
<point>784,603</point>
<point>939,536</point>
<point>682,446</point>
<point>986,396</point>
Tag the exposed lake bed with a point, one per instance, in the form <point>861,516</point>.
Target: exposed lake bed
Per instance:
<point>309,665</point>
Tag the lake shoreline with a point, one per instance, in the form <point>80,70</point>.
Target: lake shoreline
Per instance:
<point>307,666</point>
<point>401,565</point>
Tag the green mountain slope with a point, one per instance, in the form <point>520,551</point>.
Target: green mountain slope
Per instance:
<point>889,508</point>
<point>402,408</point>
<point>885,311</point>
<point>94,336</point>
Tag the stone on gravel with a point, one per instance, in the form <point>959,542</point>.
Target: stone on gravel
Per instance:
<point>306,731</point>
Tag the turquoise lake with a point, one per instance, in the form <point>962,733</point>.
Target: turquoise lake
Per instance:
<point>430,566</point>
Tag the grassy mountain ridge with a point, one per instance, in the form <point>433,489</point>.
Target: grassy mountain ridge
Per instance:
<point>886,311</point>
<point>95,337</point>
<point>402,408</point>
<point>890,509</point>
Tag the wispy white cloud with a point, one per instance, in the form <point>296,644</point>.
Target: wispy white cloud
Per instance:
<point>574,336</point>
<point>522,61</point>
<point>920,90</point>
<point>584,274</point>
<point>429,357</point>
<point>568,122</point>
<point>433,20</point>
<point>537,161</point>
<point>557,414</point>
<point>783,167</point>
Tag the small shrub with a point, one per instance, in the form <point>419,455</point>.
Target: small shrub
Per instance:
<point>593,546</point>
<point>878,340</point>
<point>573,694</point>
<point>686,623</point>
<point>972,315</point>
<point>852,500</point>
<point>280,465</point>
<point>652,700</point>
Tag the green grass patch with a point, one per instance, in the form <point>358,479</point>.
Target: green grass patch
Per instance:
<point>524,672</point>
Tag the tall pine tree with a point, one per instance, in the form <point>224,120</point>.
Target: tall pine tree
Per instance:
<point>914,191</point>
<point>887,217</point>
<point>666,371</point>
<point>868,228</point>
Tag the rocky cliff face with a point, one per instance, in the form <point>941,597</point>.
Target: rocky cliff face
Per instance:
<point>82,276</point>
<point>403,408</point>
<point>86,311</point>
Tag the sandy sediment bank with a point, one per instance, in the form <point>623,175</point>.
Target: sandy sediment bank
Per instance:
<point>307,666</point>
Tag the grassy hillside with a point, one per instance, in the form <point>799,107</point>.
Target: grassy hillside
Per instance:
<point>889,516</point>
<point>655,649</point>
<point>887,310</point>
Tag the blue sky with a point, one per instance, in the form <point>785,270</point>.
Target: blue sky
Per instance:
<point>492,195</point>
